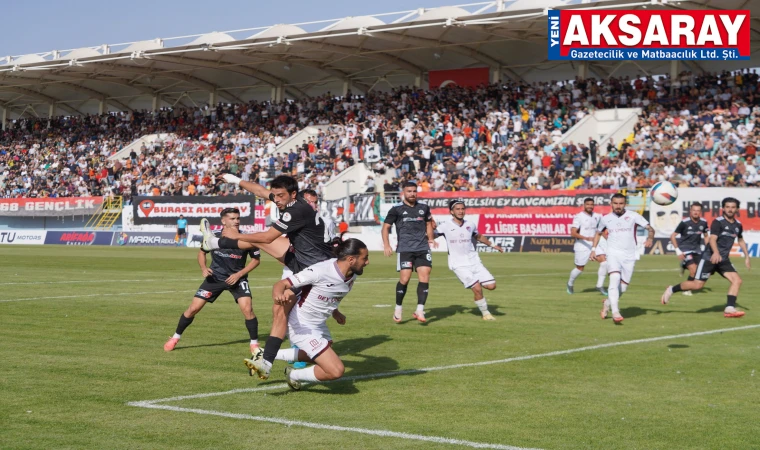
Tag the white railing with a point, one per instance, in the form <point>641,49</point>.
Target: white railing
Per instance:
<point>147,140</point>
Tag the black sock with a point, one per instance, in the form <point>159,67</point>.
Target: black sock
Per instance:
<point>690,278</point>
<point>422,293</point>
<point>273,346</point>
<point>677,288</point>
<point>228,243</point>
<point>731,300</point>
<point>400,293</point>
<point>253,328</point>
<point>184,322</point>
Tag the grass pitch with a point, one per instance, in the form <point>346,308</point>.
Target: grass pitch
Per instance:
<point>82,330</point>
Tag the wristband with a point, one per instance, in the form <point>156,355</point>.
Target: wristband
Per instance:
<point>679,252</point>
<point>593,249</point>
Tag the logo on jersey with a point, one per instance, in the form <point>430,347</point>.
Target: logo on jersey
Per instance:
<point>421,212</point>
<point>314,343</point>
<point>202,293</point>
<point>405,213</point>
<point>281,225</point>
<point>286,217</point>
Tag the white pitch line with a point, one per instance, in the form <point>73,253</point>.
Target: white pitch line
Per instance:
<point>458,366</point>
<point>321,426</point>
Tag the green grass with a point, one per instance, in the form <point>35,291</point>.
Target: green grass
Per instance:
<point>70,365</point>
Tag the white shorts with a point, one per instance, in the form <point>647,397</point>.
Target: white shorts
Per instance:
<point>471,274</point>
<point>583,251</point>
<point>313,340</point>
<point>622,265</point>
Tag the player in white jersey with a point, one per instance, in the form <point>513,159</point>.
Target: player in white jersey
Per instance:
<point>461,237</point>
<point>583,229</point>
<point>325,285</point>
<point>622,251</point>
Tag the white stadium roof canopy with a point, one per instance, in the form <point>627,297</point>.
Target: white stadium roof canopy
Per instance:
<point>363,53</point>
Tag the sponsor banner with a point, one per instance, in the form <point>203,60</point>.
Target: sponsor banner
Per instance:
<point>79,237</point>
<point>362,210</point>
<point>548,244</point>
<point>458,77</point>
<point>649,35</point>
<point>753,247</point>
<point>50,207</point>
<point>530,213</point>
<point>661,246</point>
<point>510,244</point>
<point>665,219</point>
<point>166,210</point>
<point>14,237</point>
<point>144,239</point>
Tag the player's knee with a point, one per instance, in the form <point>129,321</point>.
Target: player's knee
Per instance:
<point>737,281</point>
<point>490,286</point>
<point>336,371</point>
<point>580,268</point>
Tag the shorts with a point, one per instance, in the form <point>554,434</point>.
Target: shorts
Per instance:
<point>583,252</point>
<point>313,340</point>
<point>690,258</point>
<point>210,289</point>
<point>181,232</point>
<point>292,263</point>
<point>706,268</point>
<point>622,265</point>
<point>413,260</point>
<point>472,274</point>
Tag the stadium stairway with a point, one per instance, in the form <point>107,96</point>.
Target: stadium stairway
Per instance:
<point>147,140</point>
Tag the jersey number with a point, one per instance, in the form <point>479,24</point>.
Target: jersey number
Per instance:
<point>244,286</point>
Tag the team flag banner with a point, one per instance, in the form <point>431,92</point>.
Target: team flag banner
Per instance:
<point>472,77</point>
<point>524,213</point>
<point>166,210</point>
<point>665,219</point>
<point>649,35</point>
<point>360,210</point>
<point>50,207</point>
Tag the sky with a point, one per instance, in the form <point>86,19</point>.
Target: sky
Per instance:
<point>46,25</point>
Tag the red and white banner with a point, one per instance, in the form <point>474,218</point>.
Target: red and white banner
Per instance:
<point>458,77</point>
<point>525,213</point>
<point>50,207</point>
<point>166,210</point>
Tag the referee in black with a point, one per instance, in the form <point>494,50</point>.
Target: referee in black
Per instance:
<point>414,228</point>
<point>228,272</point>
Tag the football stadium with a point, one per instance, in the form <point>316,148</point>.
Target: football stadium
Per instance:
<point>513,224</point>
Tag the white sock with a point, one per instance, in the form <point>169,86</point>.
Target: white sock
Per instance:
<point>176,336</point>
<point>306,374</point>
<point>214,243</point>
<point>397,312</point>
<point>268,364</point>
<point>623,288</point>
<point>482,306</point>
<point>288,355</point>
<point>602,274</point>
<point>420,308</point>
<point>613,292</point>
<point>573,275</point>
<point>254,342</point>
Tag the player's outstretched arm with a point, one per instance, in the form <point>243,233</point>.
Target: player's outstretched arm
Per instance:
<point>265,237</point>
<point>650,237</point>
<point>254,188</point>
<point>484,240</point>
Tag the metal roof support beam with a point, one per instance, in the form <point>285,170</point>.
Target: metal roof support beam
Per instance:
<point>42,97</point>
<point>381,56</point>
<point>96,94</point>
<point>5,117</point>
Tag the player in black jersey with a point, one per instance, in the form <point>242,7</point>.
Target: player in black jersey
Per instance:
<point>723,232</point>
<point>304,246</point>
<point>228,272</point>
<point>693,237</point>
<point>414,228</point>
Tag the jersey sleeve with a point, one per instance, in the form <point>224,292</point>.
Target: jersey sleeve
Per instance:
<point>428,214</point>
<point>680,228</point>
<point>293,219</point>
<point>641,221</point>
<point>741,230</point>
<point>392,216</point>
<point>601,226</point>
<point>576,223</point>
<point>715,228</point>
<point>254,253</point>
<point>305,277</point>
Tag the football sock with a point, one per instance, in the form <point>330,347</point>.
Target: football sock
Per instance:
<point>400,293</point>
<point>731,300</point>
<point>214,243</point>
<point>601,274</point>
<point>676,288</point>
<point>613,292</point>
<point>397,311</point>
<point>690,278</point>
<point>573,275</point>
<point>184,322</point>
<point>420,308</point>
<point>422,294</point>
<point>306,374</point>
<point>288,355</point>
<point>253,329</point>
<point>227,243</point>
<point>482,306</point>
<point>271,349</point>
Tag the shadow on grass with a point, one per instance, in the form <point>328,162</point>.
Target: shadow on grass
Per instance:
<point>635,311</point>
<point>185,347</point>
<point>678,346</point>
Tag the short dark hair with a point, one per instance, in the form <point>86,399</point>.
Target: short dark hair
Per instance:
<point>310,192</point>
<point>730,200</point>
<point>284,182</point>
<point>618,195</point>
<point>409,184</point>
<point>588,199</point>
<point>226,211</point>
<point>696,204</point>
<point>455,202</point>
<point>349,247</point>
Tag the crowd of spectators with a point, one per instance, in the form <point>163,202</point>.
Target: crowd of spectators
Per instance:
<point>696,130</point>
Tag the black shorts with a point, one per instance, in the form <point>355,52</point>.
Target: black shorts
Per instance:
<point>182,232</point>
<point>706,268</point>
<point>413,260</point>
<point>211,288</point>
<point>292,263</point>
<point>691,258</point>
